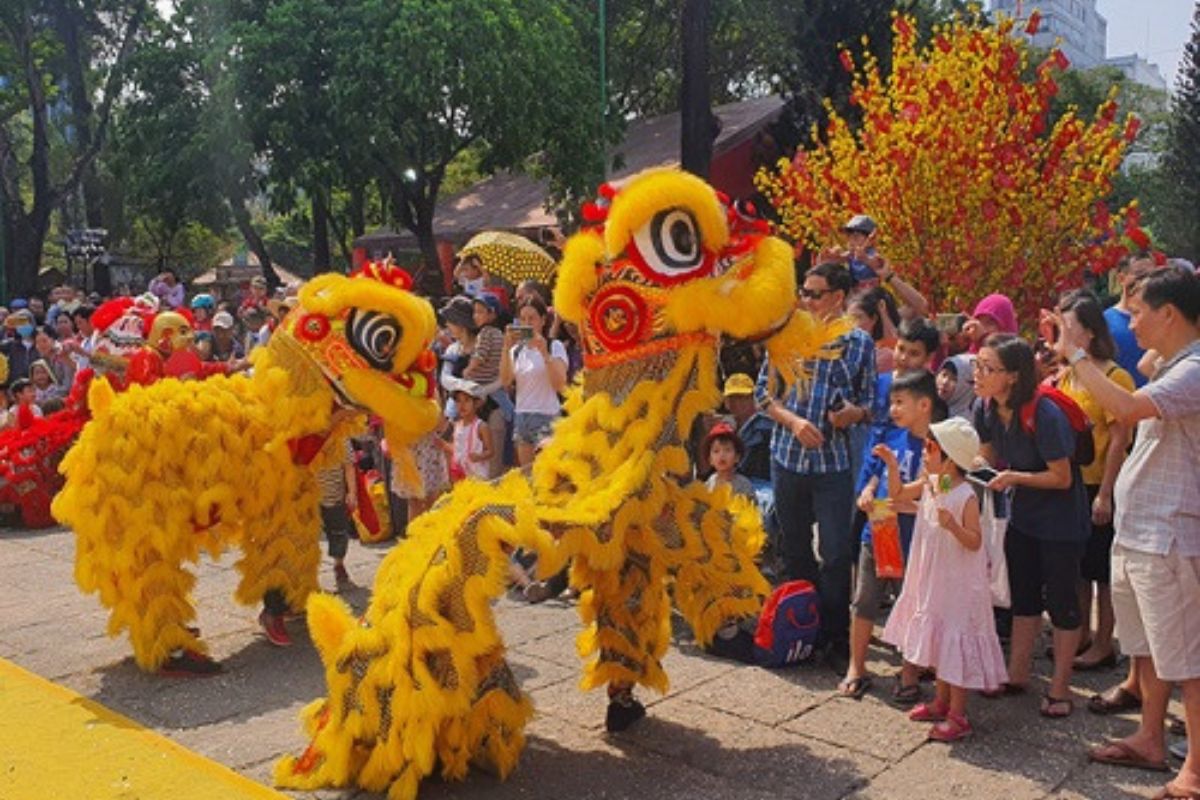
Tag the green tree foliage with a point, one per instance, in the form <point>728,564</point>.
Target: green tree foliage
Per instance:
<point>1178,230</point>
<point>423,82</point>
<point>63,64</point>
<point>162,156</point>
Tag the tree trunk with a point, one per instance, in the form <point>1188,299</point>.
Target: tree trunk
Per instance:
<point>322,258</point>
<point>358,210</point>
<point>245,226</point>
<point>28,241</point>
<point>76,61</point>
<point>697,124</point>
<point>430,281</point>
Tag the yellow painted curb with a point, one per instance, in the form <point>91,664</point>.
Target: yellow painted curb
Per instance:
<point>55,743</point>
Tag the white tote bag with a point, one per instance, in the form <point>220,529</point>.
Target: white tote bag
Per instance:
<point>993,542</point>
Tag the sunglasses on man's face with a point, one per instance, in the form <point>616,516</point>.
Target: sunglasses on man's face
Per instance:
<point>814,294</point>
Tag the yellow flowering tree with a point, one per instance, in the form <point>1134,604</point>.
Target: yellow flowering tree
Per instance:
<point>972,192</point>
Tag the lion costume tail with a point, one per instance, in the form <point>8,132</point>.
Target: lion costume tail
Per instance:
<point>421,679</point>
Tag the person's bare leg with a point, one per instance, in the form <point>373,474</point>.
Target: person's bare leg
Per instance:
<point>1085,609</point>
<point>958,699</point>
<point>1065,644</point>
<point>860,641</point>
<point>1020,655</point>
<point>1189,774</point>
<point>1150,739</point>
<point>1101,646</point>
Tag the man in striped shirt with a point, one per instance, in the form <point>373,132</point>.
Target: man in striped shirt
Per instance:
<point>810,454</point>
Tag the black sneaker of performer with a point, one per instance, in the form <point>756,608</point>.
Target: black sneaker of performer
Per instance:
<point>189,664</point>
<point>623,711</point>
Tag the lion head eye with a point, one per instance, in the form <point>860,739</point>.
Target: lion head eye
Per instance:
<point>374,336</point>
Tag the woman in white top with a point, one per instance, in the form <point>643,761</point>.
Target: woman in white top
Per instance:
<point>538,369</point>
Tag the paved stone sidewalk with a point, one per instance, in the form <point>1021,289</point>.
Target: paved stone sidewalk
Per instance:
<point>723,731</point>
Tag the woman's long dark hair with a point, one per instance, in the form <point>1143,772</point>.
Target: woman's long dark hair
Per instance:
<point>537,305</point>
<point>1017,357</point>
<point>1087,310</point>
<point>869,303</point>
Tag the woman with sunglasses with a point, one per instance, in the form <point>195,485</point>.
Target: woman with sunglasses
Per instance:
<point>1048,522</point>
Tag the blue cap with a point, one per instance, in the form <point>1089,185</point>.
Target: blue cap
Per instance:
<point>18,302</point>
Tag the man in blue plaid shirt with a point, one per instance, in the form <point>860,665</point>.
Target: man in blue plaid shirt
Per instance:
<point>810,454</point>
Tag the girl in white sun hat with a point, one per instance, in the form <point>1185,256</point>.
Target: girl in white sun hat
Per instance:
<point>943,618</point>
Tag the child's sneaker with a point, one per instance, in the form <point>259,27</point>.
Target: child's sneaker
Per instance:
<point>189,664</point>
<point>928,712</point>
<point>272,625</point>
<point>953,728</point>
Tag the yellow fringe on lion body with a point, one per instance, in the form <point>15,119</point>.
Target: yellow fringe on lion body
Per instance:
<point>422,680</point>
<point>148,491</point>
<point>166,471</point>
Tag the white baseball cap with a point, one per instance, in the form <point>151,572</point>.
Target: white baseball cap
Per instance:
<point>222,319</point>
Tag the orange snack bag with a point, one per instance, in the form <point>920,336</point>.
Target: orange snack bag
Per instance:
<point>885,539</point>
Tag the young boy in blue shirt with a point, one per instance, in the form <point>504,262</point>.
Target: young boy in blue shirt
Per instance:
<point>914,405</point>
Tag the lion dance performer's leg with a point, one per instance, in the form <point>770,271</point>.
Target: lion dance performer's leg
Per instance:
<point>422,679</point>
<point>628,613</point>
<point>133,536</point>
<point>708,550</point>
<point>281,538</point>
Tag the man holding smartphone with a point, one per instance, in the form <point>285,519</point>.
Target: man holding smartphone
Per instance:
<point>810,454</point>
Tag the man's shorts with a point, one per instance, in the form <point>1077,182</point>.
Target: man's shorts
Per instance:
<point>1156,600</point>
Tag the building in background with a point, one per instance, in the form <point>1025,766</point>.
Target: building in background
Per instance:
<point>1081,28</point>
<point>1139,70</point>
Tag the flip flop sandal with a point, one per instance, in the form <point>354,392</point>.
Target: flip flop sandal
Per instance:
<point>1005,690</point>
<point>855,688</point>
<point>1050,703</point>
<point>1114,701</point>
<point>1125,756</point>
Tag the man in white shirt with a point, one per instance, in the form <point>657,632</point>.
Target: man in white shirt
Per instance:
<point>1156,554</point>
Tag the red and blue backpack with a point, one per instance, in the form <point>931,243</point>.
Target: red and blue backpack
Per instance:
<point>788,626</point>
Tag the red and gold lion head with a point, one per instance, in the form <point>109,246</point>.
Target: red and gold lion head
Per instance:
<point>668,261</point>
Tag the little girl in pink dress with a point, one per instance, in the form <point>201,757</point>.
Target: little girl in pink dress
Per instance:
<point>943,618</point>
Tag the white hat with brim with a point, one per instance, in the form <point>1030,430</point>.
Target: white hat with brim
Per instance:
<point>958,440</point>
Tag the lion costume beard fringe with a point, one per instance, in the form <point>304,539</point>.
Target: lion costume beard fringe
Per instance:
<point>166,471</point>
<point>421,680</point>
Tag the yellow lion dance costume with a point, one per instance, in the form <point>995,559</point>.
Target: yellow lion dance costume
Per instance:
<point>421,680</point>
<point>164,471</point>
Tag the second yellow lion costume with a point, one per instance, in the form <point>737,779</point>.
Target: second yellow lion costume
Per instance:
<point>166,471</point>
<point>421,679</point>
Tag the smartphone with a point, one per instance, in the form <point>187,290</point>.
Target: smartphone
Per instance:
<point>523,332</point>
<point>982,476</point>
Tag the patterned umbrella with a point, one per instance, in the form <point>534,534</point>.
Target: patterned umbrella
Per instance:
<point>511,257</point>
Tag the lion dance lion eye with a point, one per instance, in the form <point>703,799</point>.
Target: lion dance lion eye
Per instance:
<point>374,336</point>
<point>669,245</point>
